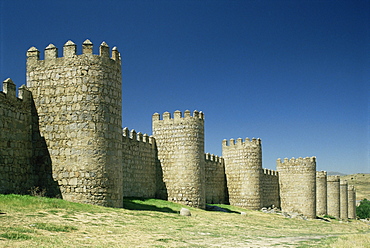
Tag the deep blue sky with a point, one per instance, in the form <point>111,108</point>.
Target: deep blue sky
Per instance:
<point>293,73</point>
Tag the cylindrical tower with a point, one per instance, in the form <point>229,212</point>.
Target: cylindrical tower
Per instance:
<point>243,169</point>
<point>333,194</point>
<point>351,202</point>
<point>180,143</point>
<point>343,200</point>
<point>297,181</point>
<point>321,193</point>
<point>78,102</point>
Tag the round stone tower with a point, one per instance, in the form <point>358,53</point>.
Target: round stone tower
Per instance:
<point>78,102</point>
<point>180,143</point>
<point>333,196</point>
<point>351,202</point>
<point>297,182</point>
<point>243,169</point>
<point>321,193</point>
<point>343,200</point>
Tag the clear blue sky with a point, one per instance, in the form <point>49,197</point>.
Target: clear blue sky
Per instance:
<point>293,73</point>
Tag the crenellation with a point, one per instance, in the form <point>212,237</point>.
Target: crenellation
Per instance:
<point>69,49</point>
<point>9,88</point>
<point>87,47</point>
<point>51,52</point>
<point>104,50</point>
<point>178,116</point>
<point>33,54</point>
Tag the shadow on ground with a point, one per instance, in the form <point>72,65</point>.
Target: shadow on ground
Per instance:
<point>139,204</point>
<point>220,209</point>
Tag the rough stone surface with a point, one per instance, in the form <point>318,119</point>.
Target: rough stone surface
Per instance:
<point>321,192</point>
<point>180,142</point>
<point>270,188</point>
<point>333,194</point>
<point>78,102</point>
<point>185,212</point>
<point>343,200</point>
<point>351,202</point>
<point>215,179</point>
<point>243,168</point>
<point>297,181</point>
<point>140,165</point>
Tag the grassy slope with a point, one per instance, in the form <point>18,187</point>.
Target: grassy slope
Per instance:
<point>361,182</point>
<point>27,221</point>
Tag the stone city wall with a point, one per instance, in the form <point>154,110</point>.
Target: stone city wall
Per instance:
<point>270,188</point>
<point>297,182</point>
<point>243,168</point>
<point>78,102</point>
<point>64,135</point>
<point>180,143</point>
<point>215,179</point>
<point>139,164</point>
<point>17,173</point>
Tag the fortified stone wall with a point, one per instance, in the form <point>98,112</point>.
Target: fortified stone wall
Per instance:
<point>243,168</point>
<point>17,173</point>
<point>343,200</point>
<point>270,188</point>
<point>333,194</point>
<point>64,135</point>
<point>321,193</point>
<point>215,179</point>
<point>180,143</point>
<point>78,101</point>
<point>139,164</point>
<point>297,181</point>
<point>351,202</point>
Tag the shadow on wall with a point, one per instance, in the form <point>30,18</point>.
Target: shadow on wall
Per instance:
<point>42,164</point>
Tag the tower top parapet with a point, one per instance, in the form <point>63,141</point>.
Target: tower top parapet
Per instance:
<point>334,178</point>
<point>70,50</point>
<point>9,91</point>
<point>178,115</point>
<point>296,164</point>
<point>240,142</point>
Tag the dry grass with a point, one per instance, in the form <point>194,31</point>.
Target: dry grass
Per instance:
<point>42,222</point>
<point>361,182</point>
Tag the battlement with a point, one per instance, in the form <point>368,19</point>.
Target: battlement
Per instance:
<point>269,172</point>
<point>70,51</point>
<point>343,183</point>
<point>133,135</point>
<point>9,91</point>
<point>321,174</point>
<point>212,157</point>
<point>296,161</point>
<point>351,188</point>
<point>333,179</point>
<point>178,115</point>
<point>240,142</point>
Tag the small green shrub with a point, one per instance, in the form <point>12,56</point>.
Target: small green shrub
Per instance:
<point>329,217</point>
<point>363,210</point>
